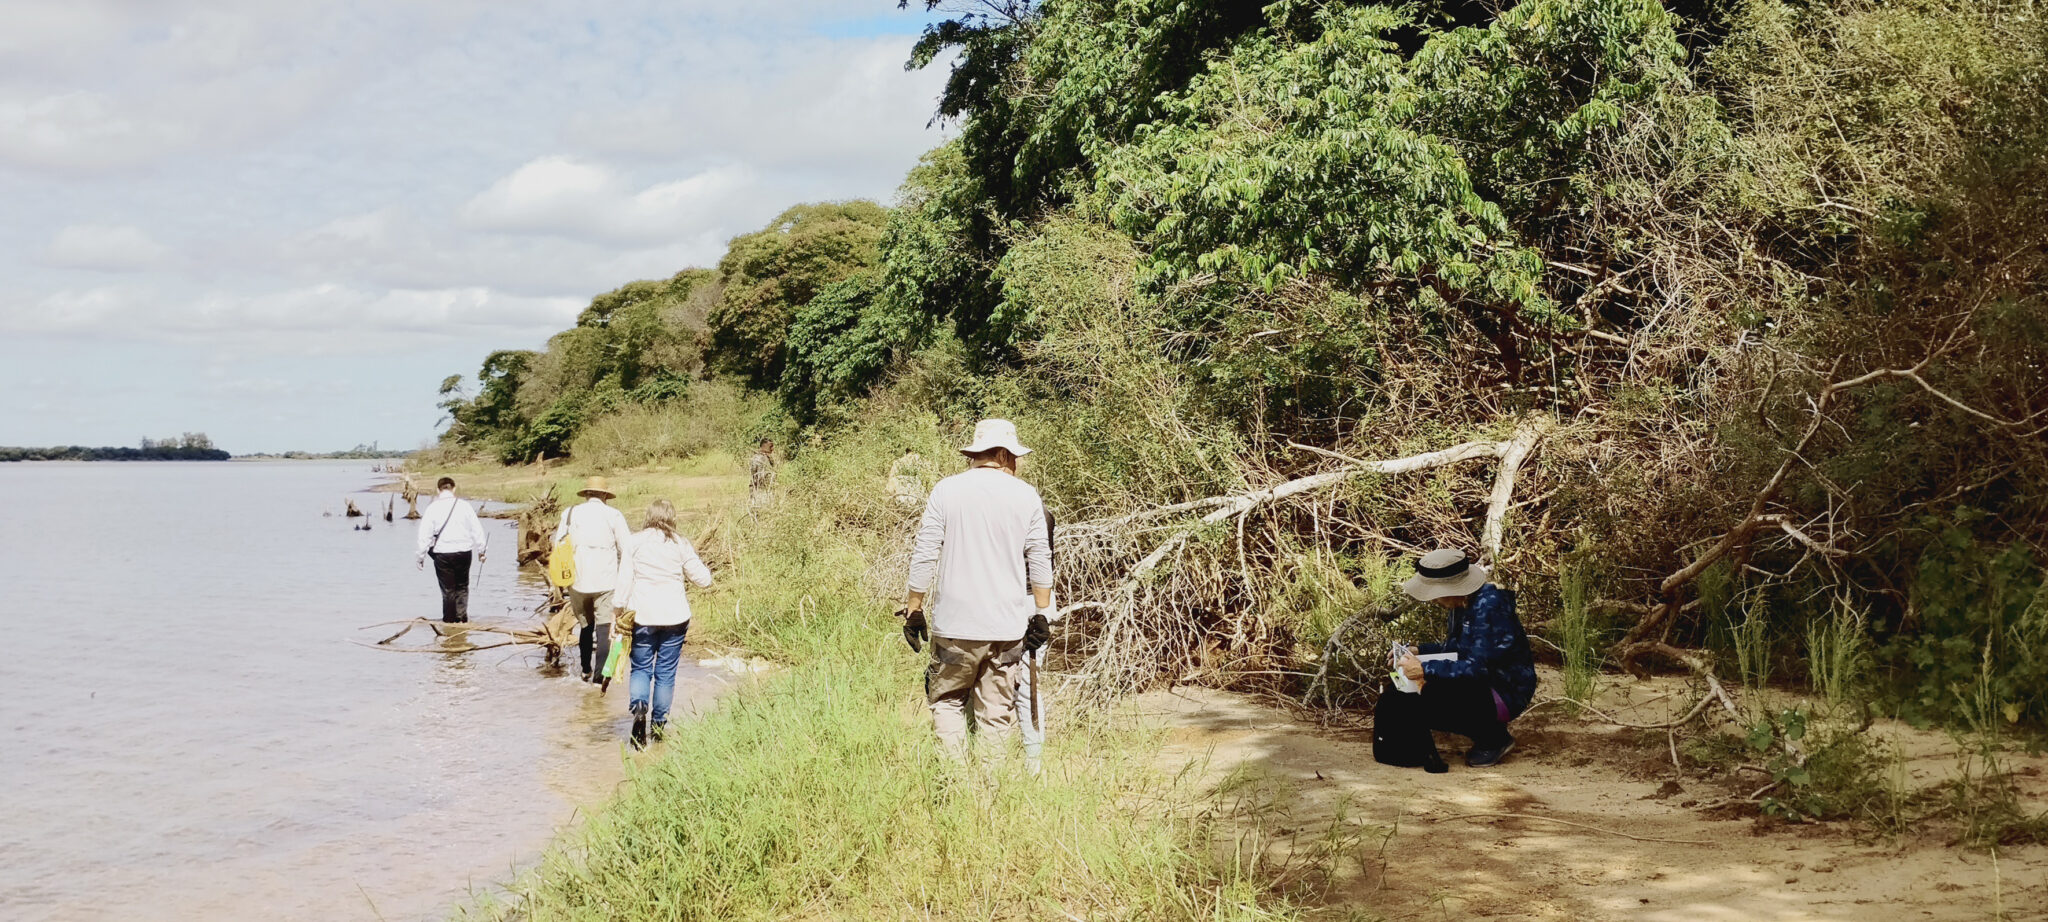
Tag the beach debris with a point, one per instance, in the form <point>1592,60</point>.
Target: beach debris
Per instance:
<point>352,512</point>
<point>390,506</point>
<point>557,629</point>
<point>737,665</point>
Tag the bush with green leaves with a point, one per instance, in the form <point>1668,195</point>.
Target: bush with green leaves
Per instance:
<point>1982,614</point>
<point>770,275</point>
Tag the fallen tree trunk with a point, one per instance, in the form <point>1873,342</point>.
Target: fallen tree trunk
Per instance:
<point>1121,602</point>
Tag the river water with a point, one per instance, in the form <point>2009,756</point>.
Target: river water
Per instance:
<point>188,732</point>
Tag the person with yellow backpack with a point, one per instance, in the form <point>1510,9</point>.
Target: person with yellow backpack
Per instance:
<point>590,547</point>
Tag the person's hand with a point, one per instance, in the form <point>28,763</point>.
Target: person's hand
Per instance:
<point>1412,668</point>
<point>480,555</point>
<point>914,631</point>
<point>422,562</point>
<point>1037,633</point>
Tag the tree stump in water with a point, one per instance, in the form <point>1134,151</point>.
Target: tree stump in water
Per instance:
<point>537,526</point>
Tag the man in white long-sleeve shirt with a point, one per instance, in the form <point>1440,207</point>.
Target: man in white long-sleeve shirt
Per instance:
<point>983,539</point>
<point>449,533</point>
<point>599,534</point>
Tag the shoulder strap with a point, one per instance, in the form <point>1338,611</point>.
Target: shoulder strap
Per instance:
<point>435,541</point>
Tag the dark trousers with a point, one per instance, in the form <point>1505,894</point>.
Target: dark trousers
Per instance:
<point>452,570</point>
<point>1402,722</point>
<point>593,647</point>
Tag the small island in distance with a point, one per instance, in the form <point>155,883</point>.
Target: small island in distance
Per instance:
<point>192,446</point>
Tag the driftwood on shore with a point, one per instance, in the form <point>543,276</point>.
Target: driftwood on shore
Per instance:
<point>556,630</point>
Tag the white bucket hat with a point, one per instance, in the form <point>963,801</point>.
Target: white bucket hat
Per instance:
<point>1444,573</point>
<point>995,433</point>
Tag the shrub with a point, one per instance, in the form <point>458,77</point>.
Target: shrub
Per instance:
<point>713,415</point>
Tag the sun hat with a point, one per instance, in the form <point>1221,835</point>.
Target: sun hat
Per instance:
<point>995,433</point>
<point>1442,573</point>
<point>595,486</point>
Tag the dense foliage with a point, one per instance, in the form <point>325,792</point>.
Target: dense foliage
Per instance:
<point>1777,272</point>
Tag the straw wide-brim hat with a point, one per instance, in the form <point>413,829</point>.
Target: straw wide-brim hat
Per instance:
<point>596,486</point>
<point>1440,574</point>
<point>995,433</point>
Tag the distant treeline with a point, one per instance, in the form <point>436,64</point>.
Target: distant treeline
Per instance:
<point>192,446</point>
<point>359,453</point>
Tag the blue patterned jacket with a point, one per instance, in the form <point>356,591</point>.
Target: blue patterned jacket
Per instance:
<point>1488,638</point>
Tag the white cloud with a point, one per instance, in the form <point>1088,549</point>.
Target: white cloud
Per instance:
<point>322,318</point>
<point>799,106</point>
<point>400,248</point>
<point>575,198</point>
<point>103,247</point>
<point>388,180</point>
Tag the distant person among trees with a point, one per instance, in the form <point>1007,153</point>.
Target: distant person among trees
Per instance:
<point>906,480</point>
<point>658,560</point>
<point>450,533</point>
<point>761,475</point>
<point>600,535</point>
<point>1480,678</point>
<point>983,540</point>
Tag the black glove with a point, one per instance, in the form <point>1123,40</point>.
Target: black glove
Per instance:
<point>914,632</point>
<point>1037,633</point>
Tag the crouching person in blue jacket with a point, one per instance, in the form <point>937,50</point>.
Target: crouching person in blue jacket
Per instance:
<point>1485,682</point>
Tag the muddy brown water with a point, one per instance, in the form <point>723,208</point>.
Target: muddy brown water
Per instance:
<point>189,732</point>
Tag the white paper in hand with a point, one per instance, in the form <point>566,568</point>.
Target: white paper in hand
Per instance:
<point>1401,680</point>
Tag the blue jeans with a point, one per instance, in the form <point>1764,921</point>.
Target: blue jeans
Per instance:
<point>656,650</point>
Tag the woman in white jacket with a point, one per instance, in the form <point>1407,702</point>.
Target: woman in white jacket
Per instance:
<point>651,586</point>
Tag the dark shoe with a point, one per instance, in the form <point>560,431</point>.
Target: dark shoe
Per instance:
<point>1480,758</point>
<point>657,731</point>
<point>639,726</point>
<point>1436,767</point>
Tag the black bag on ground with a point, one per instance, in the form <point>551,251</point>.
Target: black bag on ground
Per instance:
<point>1399,737</point>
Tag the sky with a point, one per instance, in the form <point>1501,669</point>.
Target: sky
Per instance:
<point>284,222</point>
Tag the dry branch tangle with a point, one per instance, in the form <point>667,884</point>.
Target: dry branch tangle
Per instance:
<point>1660,617</point>
<point>1120,602</point>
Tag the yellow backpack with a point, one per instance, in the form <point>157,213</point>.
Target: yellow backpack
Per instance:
<point>562,560</point>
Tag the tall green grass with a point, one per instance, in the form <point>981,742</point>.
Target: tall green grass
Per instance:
<point>818,795</point>
<point>1751,637</point>
<point>1838,654</point>
<point>1577,636</point>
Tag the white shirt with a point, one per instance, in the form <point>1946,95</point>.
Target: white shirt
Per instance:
<point>651,585</point>
<point>600,534</point>
<point>983,539</point>
<point>456,521</point>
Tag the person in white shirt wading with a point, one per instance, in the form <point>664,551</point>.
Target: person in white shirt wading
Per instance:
<point>449,533</point>
<point>599,534</point>
<point>982,539</point>
<point>657,562</point>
